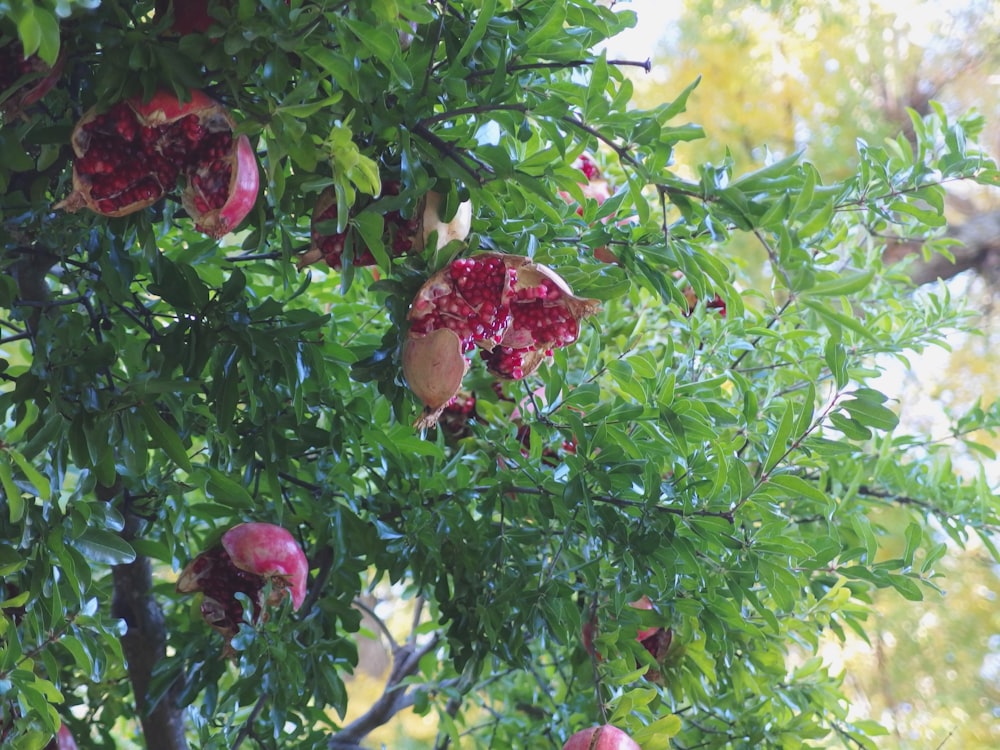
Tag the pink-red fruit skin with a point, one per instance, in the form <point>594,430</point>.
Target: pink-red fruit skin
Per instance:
<point>63,740</point>
<point>248,556</point>
<point>269,550</point>
<point>132,155</point>
<point>605,737</point>
<point>13,65</point>
<point>515,311</point>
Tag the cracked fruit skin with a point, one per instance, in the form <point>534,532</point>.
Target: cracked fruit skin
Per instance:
<point>605,737</point>
<point>134,154</point>
<point>513,310</point>
<point>248,556</point>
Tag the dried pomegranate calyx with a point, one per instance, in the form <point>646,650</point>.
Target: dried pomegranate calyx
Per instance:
<point>135,153</point>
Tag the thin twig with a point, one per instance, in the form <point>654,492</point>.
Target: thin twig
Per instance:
<point>393,645</point>
<point>247,729</point>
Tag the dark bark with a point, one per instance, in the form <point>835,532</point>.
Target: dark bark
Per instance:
<point>144,644</point>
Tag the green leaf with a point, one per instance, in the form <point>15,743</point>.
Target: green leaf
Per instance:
<point>483,19</point>
<point>914,535</point>
<point>163,436</point>
<point>15,503</point>
<point>656,736</point>
<point>227,491</point>
<point>32,474</point>
<point>104,547</point>
<point>871,414</point>
<point>841,285</point>
<point>779,440</point>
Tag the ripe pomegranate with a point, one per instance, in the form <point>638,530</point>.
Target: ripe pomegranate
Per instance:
<point>190,16</point>
<point>401,235</point>
<point>134,154</point>
<point>63,740</point>
<point>655,640</point>
<point>39,78</point>
<point>514,310</point>
<point>520,416</point>
<point>457,413</point>
<point>605,737</point>
<point>717,303</point>
<point>247,557</point>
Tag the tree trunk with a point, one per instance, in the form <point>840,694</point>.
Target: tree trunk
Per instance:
<point>144,644</point>
<point>979,251</point>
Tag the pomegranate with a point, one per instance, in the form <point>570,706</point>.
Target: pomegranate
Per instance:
<point>596,187</point>
<point>605,737</point>
<point>434,368</point>
<point>39,78</point>
<point>514,310</point>
<point>247,557</point>
<point>401,235</point>
<point>132,155</point>
<point>62,741</point>
<point>526,407</point>
<point>716,303</point>
<point>457,413</point>
<point>656,640</point>
<point>190,16</point>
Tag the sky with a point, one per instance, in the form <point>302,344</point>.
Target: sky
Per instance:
<point>655,17</point>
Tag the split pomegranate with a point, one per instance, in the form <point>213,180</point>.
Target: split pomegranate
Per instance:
<point>134,154</point>
<point>248,556</point>
<point>401,235</point>
<point>716,303</point>
<point>514,310</point>
<point>39,78</point>
<point>605,737</point>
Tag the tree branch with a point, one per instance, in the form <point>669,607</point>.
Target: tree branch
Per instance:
<point>395,697</point>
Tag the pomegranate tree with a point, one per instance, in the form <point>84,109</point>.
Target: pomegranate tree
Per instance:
<point>605,737</point>
<point>24,80</point>
<point>515,311</point>
<point>402,235</point>
<point>249,556</point>
<point>136,152</point>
